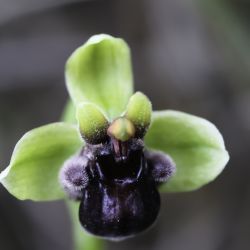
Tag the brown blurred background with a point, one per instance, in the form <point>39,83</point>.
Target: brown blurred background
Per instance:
<point>188,55</point>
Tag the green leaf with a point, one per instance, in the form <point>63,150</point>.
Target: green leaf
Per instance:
<point>100,72</point>
<point>195,145</point>
<point>36,160</point>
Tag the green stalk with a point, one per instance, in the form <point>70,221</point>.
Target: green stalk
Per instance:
<point>81,239</point>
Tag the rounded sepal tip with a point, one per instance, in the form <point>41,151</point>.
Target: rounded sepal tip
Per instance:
<point>139,111</point>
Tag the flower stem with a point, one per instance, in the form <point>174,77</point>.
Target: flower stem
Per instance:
<point>81,239</point>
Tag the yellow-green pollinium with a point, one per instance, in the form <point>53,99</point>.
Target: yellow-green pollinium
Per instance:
<point>121,129</point>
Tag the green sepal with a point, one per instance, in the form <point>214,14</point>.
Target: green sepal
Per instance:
<point>139,111</point>
<point>92,122</point>
<point>195,145</point>
<point>37,159</point>
<point>69,113</point>
<point>100,72</point>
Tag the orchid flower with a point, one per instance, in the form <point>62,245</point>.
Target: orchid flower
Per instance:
<point>112,153</point>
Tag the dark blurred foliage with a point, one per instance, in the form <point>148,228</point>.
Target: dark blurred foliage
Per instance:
<point>188,55</point>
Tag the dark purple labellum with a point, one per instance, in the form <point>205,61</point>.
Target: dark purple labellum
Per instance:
<point>121,199</point>
<point>118,195</point>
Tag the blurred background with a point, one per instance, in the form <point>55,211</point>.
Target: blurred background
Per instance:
<point>188,55</point>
